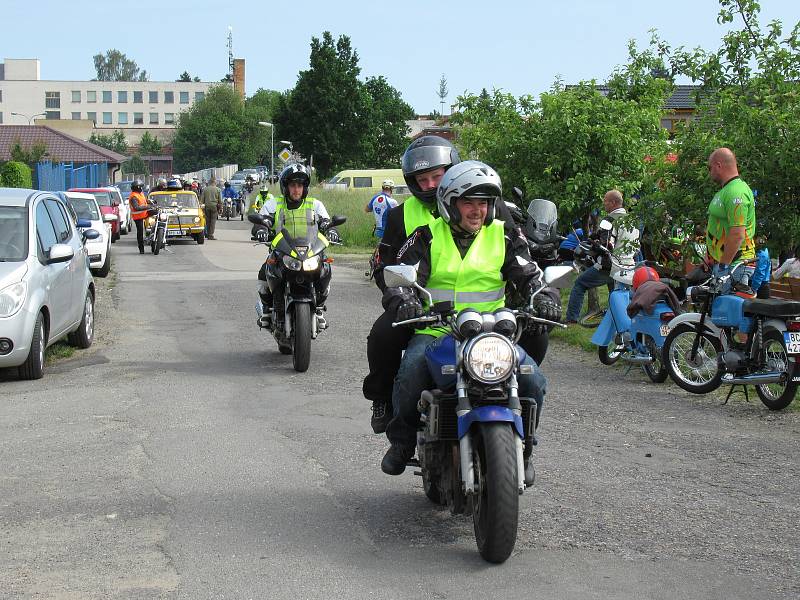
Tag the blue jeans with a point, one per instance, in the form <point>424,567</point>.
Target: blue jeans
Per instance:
<point>590,278</point>
<point>413,378</point>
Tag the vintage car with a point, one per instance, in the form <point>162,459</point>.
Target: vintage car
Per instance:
<point>186,217</point>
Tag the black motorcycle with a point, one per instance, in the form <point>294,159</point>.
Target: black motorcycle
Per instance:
<point>294,266</point>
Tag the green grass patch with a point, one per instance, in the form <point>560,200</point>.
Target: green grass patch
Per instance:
<point>58,351</point>
<point>575,335</point>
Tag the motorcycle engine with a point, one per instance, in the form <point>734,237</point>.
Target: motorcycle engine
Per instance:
<point>732,361</point>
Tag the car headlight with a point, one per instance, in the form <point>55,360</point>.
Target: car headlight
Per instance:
<point>12,298</point>
<point>292,263</point>
<point>490,358</point>
<point>197,219</point>
<point>311,264</point>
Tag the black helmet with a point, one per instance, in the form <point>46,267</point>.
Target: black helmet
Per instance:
<point>425,154</point>
<point>137,185</point>
<point>294,172</point>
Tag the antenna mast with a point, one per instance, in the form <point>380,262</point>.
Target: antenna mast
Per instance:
<point>230,50</point>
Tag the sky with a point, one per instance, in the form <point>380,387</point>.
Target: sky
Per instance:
<point>517,46</point>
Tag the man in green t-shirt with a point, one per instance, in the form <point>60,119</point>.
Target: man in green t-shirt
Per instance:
<point>731,229</point>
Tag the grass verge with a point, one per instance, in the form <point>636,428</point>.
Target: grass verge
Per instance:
<point>58,351</point>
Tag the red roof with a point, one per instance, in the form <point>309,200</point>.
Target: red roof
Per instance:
<point>61,147</point>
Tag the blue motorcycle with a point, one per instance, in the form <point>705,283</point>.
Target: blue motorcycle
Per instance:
<point>474,424</point>
<point>638,340</point>
<point>736,340</point>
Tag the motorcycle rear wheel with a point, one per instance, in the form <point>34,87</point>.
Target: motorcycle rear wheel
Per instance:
<point>776,396</point>
<point>495,511</point>
<point>301,334</point>
<point>656,370</point>
<point>698,376</point>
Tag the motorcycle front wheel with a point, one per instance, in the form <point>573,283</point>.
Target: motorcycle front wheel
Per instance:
<point>495,510</point>
<point>656,370</point>
<point>301,334</point>
<point>700,374</point>
<point>776,396</point>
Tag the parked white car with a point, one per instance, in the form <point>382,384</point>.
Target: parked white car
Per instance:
<point>46,289</point>
<point>125,220</point>
<point>84,206</point>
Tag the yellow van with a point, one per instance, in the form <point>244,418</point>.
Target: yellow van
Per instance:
<point>367,179</point>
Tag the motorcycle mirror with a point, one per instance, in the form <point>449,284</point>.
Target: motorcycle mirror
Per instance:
<point>516,193</point>
<point>257,219</point>
<point>606,225</point>
<point>557,276</point>
<point>443,307</point>
<point>338,220</point>
<point>399,275</point>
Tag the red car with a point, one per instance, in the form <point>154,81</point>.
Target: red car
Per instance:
<point>109,200</point>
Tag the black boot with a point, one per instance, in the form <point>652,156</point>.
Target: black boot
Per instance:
<point>394,462</point>
<point>381,415</point>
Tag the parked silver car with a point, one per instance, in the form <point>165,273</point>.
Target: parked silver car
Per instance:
<point>46,289</point>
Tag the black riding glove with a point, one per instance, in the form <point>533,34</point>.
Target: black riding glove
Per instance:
<point>262,235</point>
<point>546,308</point>
<point>323,224</point>
<point>410,308</point>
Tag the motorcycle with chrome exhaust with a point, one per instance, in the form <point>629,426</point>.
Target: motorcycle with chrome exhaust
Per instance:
<point>293,267</point>
<point>474,424</point>
<point>736,340</point>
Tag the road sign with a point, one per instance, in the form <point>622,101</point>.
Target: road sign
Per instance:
<point>284,154</point>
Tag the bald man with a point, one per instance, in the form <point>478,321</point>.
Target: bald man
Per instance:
<point>731,230</point>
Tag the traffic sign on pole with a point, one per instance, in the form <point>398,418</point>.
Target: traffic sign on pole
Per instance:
<point>284,154</point>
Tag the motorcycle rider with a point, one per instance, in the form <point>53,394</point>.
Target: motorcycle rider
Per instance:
<point>139,210</point>
<point>464,252</point>
<point>424,163</point>
<point>227,192</point>
<point>294,210</point>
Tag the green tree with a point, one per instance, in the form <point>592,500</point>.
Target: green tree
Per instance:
<point>442,92</point>
<point>115,66</point>
<point>184,76</point>
<point>30,156</point>
<point>15,174</point>
<point>749,101</point>
<point>219,129</point>
<point>149,145</point>
<point>135,165</point>
<point>114,142</point>
<point>326,113</point>
<point>387,116</point>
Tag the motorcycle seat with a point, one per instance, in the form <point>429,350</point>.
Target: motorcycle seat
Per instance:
<point>774,307</point>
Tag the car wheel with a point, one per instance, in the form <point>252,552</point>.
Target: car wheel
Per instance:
<point>82,337</point>
<point>103,270</point>
<point>33,367</point>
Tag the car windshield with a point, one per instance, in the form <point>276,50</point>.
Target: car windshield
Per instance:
<point>239,175</point>
<point>124,188</point>
<point>103,198</point>
<point>183,200</point>
<point>13,233</point>
<point>85,208</point>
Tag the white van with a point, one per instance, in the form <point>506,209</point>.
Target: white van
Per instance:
<point>366,179</point>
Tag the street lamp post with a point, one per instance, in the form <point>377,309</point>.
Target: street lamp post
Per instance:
<point>271,148</point>
<point>31,118</point>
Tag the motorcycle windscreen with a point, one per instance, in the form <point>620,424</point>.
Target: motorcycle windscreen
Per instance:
<point>304,238</point>
<point>542,220</point>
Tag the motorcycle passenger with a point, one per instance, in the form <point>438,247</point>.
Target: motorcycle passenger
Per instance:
<point>424,163</point>
<point>379,206</point>
<point>139,209</point>
<point>464,252</point>
<point>293,210</point>
<point>161,185</point>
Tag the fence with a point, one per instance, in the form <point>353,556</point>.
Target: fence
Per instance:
<point>62,176</point>
<point>219,173</point>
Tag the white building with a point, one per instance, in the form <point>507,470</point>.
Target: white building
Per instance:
<point>130,106</point>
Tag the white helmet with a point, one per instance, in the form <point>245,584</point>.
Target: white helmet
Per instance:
<point>472,179</point>
<point>387,183</point>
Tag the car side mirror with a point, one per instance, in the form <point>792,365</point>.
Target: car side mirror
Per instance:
<point>60,253</point>
<point>338,220</point>
<point>83,223</point>
<point>91,234</point>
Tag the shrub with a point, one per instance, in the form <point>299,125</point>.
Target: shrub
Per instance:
<point>16,174</point>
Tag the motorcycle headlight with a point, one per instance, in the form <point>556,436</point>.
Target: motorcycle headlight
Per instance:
<point>163,216</point>
<point>469,322</point>
<point>150,221</point>
<point>490,358</point>
<point>12,298</point>
<point>292,263</point>
<point>311,264</point>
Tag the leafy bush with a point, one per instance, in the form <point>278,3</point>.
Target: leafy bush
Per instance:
<point>15,174</point>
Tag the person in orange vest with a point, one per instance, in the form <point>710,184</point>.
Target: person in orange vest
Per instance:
<point>139,209</point>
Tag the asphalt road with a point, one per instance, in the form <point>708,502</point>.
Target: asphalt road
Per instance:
<point>182,457</point>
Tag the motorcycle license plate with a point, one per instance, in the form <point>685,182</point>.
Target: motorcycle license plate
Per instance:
<point>792,341</point>
<point>664,330</point>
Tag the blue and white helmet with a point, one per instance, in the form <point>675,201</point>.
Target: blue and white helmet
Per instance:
<point>471,179</point>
